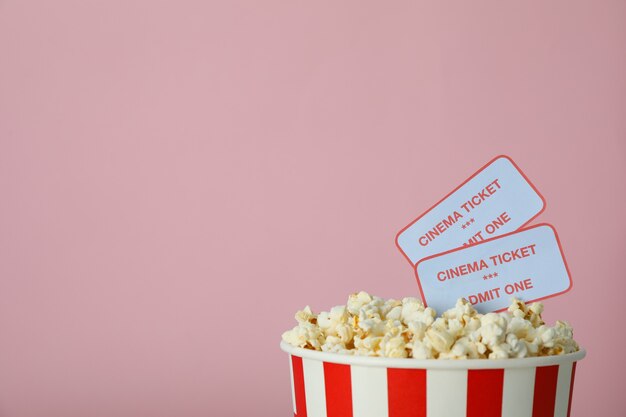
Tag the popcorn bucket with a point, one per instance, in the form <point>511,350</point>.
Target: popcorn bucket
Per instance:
<point>333,385</point>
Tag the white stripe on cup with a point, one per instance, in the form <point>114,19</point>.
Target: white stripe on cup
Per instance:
<point>518,392</point>
<point>293,389</point>
<point>562,390</point>
<point>446,393</point>
<point>369,391</point>
<point>314,387</point>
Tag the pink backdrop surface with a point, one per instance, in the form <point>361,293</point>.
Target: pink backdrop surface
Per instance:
<point>177,178</point>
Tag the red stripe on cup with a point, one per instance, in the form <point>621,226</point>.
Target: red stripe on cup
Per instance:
<point>338,384</point>
<point>484,392</point>
<point>298,386</point>
<point>406,392</point>
<point>546,379</point>
<point>571,390</point>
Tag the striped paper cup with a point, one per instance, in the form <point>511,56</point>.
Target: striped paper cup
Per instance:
<point>333,385</point>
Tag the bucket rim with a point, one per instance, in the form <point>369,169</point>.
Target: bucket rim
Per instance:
<point>409,363</point>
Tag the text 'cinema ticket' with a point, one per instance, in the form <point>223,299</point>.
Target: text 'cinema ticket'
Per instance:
<point>528,264</point>
<point>497,199</point>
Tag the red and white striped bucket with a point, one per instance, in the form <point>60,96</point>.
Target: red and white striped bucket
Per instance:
<point>333,385</point>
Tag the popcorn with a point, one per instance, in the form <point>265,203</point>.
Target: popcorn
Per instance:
<point>367,346</point>
<point>305,335</point>
<point>440,339</point>
<point>329,322</point>
<point>305,315</point>
<point>371,326</point>
<point>492,330</point>
<point>419,350</point>
<point>531,313</point>
<point>358,300</point>
<point>413,311</point>
<point>463,348</point>
<point>393,347</point>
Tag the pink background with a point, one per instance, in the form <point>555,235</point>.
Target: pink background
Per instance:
<point>177,178</point>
